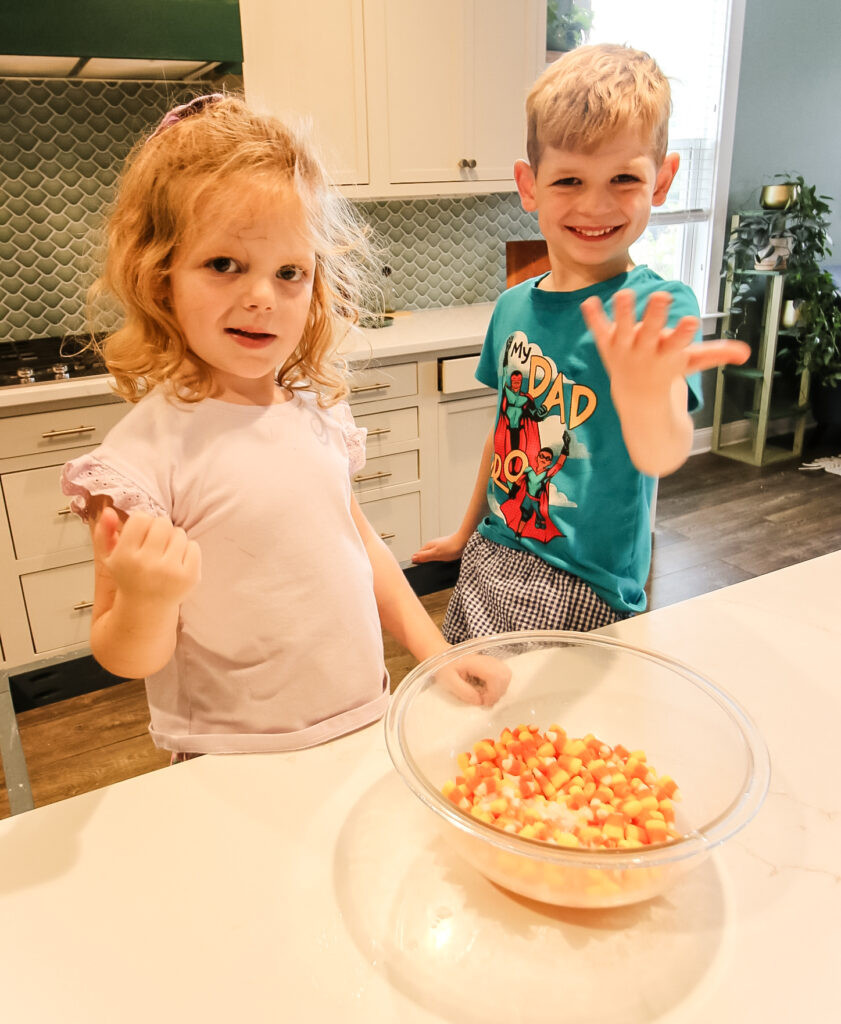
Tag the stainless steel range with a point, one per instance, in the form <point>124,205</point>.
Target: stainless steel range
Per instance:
<point>44,360</point>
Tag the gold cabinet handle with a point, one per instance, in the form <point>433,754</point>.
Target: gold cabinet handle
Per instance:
<point>465,163</point>
<point>370,476</point>
<point>66,511</point>
<point>367,387</point>
<point>379,431</point>
<point>387,536</point>
<point>82,605</point>
<point>69,430</point>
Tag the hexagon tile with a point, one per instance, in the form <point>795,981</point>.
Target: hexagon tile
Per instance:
<point>62,142</point>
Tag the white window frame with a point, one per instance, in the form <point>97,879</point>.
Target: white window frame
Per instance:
<point>706,228</point>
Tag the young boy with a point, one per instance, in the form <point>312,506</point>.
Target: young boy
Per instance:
<point>591,410</point>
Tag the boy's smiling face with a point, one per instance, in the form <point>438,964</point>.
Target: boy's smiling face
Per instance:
<point>592,207</point>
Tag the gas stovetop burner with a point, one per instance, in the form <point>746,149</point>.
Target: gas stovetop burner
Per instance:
<point>44,360</point>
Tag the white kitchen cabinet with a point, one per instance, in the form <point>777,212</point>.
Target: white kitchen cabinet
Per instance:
<point>407,98</point>
<point>393,401</point>
<point>463,426</point>
<point>46,566</point>
<point>309,60</point>
<point>454,79</point>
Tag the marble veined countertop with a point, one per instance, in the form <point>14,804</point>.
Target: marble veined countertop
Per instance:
<point>313,886</point>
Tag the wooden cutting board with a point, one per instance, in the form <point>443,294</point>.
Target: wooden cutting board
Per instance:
<point>525,259</point>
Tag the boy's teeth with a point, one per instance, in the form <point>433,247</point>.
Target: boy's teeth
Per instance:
<point>594,233</point>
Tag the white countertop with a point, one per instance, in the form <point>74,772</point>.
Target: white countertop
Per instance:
<point>312,886</point>
<point>422,332</point>
<point>417,333</point>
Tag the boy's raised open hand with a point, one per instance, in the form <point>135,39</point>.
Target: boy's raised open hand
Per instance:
<point>644,357</point>
<point>147,557</point>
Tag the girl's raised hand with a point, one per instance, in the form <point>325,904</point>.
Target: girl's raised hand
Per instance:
<point>643,357</point>
<point>147,557</point>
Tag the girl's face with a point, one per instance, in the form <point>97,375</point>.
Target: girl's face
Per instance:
<point>241,289</point>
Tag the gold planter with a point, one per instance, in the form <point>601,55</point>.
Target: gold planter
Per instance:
<point>778,197</point>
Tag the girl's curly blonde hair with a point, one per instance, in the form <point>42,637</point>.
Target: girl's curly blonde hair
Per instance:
<point>215,150</point>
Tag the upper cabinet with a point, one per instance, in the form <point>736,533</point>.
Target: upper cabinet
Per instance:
<point>308,61</point>
<point>407,98</point>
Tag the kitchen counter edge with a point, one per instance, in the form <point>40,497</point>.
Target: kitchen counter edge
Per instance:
<point>417,333</point>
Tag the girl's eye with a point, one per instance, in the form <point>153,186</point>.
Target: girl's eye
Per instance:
<point>223,265</point>
<point>290,273</point>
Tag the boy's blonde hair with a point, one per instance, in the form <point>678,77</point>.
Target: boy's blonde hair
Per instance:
<point>214,154</point>
<point>592,93</point>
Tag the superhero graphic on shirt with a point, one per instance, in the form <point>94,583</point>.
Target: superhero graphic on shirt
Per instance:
<point>519,414</point>
<point>526,509</point>
<point>538,410</point>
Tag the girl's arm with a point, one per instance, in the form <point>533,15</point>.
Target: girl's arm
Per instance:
<point>448,549</point>
<point>144,567</point>
<point>476,678</point>
<point>648,364</point>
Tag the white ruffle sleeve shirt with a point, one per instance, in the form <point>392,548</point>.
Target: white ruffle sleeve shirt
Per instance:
<point>279,645</point>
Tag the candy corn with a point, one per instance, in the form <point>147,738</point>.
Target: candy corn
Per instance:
<point>567,791</point>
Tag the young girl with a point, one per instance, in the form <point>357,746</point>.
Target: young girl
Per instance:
<point>234,569</point>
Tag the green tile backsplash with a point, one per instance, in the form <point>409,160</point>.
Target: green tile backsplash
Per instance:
<point>61,146</point>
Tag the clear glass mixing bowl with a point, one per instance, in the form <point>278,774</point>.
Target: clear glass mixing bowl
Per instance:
<point>689,728</point>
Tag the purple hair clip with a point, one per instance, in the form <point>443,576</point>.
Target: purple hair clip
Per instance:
<point>195,106</point>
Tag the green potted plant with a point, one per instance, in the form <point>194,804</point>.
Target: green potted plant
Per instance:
<point>567,25</point>
<point>799,230</point>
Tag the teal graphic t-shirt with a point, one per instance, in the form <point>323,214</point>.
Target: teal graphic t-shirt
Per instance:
<point>562,484</point>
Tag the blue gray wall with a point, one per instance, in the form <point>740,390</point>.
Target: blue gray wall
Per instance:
<point>788,118</point>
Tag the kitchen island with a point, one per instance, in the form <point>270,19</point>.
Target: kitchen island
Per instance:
<point>312,886</point>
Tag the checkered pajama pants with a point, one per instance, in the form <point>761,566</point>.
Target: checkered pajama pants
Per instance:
<point>501,590</point>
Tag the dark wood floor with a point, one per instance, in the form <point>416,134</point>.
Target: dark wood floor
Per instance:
<point>718,522</point>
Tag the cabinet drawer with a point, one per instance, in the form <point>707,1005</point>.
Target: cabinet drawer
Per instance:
<point>53,431</point>
<point>58,603</point>
<point>397,521</point>
<point>39,516</point>
<point>458,374</point>
<point>386,471</point>
<point>389,427</point>
<point>374,383</point>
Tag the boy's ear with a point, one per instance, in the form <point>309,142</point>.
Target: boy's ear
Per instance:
<point>665,177</point>
<point>524,179</point>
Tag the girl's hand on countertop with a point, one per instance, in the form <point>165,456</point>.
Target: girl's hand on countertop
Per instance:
<point>476,678</point>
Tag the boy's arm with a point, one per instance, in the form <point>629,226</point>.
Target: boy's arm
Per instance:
<point>648,364</point>
<point>144,567</point>
<point>477,678</point>
<point>447,549</point>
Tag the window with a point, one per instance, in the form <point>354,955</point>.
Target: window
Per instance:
<point>697,44</point>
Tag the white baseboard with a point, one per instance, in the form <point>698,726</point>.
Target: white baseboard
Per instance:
<point>738,430</point>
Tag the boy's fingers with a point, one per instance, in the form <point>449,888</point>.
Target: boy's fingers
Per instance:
<point>717,353</point>
<point>654,319</point>
<point>624,304</point>
<point>682,335</point>
<point>595,317</point>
